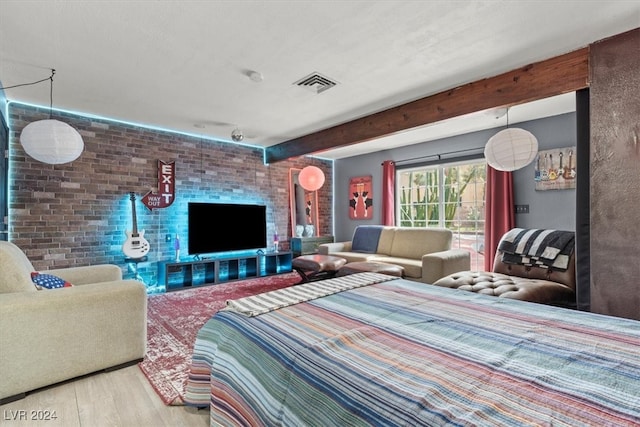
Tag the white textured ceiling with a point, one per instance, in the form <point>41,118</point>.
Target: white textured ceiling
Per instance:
<point>183,65</point>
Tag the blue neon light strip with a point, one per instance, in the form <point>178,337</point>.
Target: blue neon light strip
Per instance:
<point>193,135</point>
<point>94,116</point>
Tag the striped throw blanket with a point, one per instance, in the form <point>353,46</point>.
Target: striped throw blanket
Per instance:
<point>402,353</point>
<point>269,301</point>
<point>536,247</point>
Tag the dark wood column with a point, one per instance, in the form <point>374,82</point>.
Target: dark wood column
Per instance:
<point>583,215</point>
<point>615,175</point>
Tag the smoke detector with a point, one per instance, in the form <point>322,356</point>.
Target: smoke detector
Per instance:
<point>237,135</point>
<point>255,76</point>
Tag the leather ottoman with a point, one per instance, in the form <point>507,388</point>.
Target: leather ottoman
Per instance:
<point>372,267</point>
<point>316,267</point>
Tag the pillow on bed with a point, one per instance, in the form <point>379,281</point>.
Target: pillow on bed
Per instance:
<point>365,239</point>
<point>48,281</point>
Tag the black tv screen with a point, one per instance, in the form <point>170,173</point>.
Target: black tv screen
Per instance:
<point>222,227</point>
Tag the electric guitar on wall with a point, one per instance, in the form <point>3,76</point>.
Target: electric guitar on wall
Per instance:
<point>136,246</point>
<point>553,172</point>
<point>569,171</point>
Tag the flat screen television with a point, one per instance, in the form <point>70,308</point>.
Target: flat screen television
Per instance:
<point>225,227</point>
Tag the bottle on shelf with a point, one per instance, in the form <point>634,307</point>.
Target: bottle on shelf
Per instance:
<point>276,241</point>
<point>176,247</point>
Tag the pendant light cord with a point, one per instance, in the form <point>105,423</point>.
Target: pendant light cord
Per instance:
<point>51,93</point>
<point>32,83</point>
<point>50,78</point>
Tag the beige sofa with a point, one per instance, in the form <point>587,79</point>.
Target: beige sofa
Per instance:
<point>51,335</point>
<point>424,253</point>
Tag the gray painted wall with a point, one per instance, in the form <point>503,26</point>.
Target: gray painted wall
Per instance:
<point>547,209</point>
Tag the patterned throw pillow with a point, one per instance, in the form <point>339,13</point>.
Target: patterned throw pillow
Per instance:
<point>48,281</point>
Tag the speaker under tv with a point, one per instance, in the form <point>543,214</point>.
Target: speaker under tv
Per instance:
<point>226,227</point>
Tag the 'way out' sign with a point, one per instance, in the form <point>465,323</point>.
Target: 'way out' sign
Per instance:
<point>166,187</point>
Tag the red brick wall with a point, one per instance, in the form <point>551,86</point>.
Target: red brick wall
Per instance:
<point>77,214</point>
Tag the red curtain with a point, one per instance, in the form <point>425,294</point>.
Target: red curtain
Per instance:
<point>388,193</point>
<point>499,212</point>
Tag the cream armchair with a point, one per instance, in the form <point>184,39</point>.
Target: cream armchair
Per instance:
<point>52,335</point>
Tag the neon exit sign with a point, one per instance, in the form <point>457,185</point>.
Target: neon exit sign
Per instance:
<point>166,187</point>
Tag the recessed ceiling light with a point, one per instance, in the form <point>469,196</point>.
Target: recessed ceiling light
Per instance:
<point>498,113</point>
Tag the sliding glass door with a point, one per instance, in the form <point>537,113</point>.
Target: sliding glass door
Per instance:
<point>448,195</point>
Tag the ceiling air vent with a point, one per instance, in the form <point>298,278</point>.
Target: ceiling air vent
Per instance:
<point>316,82</point>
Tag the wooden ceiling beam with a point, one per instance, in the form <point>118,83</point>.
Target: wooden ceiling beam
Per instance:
<point>551,77</point>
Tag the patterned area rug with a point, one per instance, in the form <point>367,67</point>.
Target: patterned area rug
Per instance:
<point>173,321</point>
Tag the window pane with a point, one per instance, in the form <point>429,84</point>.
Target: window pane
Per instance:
<point>450,196</point>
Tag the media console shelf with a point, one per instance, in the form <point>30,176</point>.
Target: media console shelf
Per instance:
<point>174,275</point>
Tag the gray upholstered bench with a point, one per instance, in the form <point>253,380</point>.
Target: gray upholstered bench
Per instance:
<point>373,267</point>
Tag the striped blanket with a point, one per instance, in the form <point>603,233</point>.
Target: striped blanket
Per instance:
<point>402,353</point>
<point>540,248</point>
<point>263,303</point>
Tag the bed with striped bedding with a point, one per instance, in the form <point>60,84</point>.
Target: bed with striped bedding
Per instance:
<point>402,353</point>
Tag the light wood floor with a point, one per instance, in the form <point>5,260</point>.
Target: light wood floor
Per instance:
<point>122,398</point>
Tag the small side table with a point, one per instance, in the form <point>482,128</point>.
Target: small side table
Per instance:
<point>308,245</point>
<point>133,267</point>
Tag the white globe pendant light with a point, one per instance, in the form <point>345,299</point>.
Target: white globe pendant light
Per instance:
<point>51,141</point>
<point>511,149</point>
